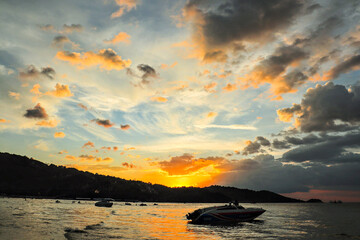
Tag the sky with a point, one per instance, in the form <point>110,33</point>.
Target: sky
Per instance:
<point>245,93</point>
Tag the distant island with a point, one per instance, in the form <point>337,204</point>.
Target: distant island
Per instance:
<point>23,176</point>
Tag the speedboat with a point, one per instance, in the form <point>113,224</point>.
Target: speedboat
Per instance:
<point>106,202</point>
<point>230,213</point>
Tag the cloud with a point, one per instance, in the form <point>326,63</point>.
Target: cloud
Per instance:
<point>125,127</point>
<point>72,28</point>
<point>70,157</point>
<point>120,37</point>
<point>60,41</point>
<point>280,144</point>
<point>105,58</point>
<point>350,64</point>
<point>328,150</point>
<point>15,95</point>
<point>83,106</point>
<point>62,152</point>
<point>148,72</point>
<point>209,87</point>
<point>59,135</point>
<point>273,70</point>
<point>36,112</point>
<point>88,144</point>
<point>47,27</point>
<point>60,91</point>
<point>92,158</point>
<point>230,87</point>
<point>255,147</point>
<point>211,114</point>
<point>165,66</point>
<point>286,114</point>
<point>187,164</point>
<point>31,73</point>
<point>326,107</point>
<point>125,5</point>
<point>65,28</point>
<point>219,27</point>
<point>233,126</point>
<point>105,123</point>
<point>48,123</point>
<point>159,99</point>
<point>128,165</point>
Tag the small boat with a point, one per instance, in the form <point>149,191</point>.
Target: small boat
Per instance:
<point>106,202</point>
<point>127,203</point>
<point>143,204</point>
<point>231,213</point>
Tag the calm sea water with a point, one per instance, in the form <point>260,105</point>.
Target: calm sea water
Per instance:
<point>45,219</point>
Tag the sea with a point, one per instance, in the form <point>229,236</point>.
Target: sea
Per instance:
<point>45,219</point>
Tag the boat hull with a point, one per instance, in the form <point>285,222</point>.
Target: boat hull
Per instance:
<point>103,204</point>
<point>216,218</point>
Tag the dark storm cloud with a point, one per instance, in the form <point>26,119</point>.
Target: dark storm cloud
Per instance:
<point>148,72</point>
<point>255,147</point>
<point>31,72</point>
<point>287,178</point>
<point>309,139</point>
<point>280,144</point>
<point>332,149</point>
<point>36,112</point>
<point>322,106</point>
<point>350,64</point>
<point>247,20</point>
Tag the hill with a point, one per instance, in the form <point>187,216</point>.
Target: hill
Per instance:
<point>23,176</point>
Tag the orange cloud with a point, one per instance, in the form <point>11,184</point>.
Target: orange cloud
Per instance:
<point>188,164</point>
<point>121,37</point>
<point>212,114</point>
<point>59,135</point>
<point>115,148</point>
<point>209,87</point>
<point>94,158</point>
<point>60,91</point>
<point>230,87</point>
<point>159,99</point>
<point>125,127</point>
<point>70,157</point>
<point>128,148</point>
<point>125,5</point>
<point>286,114</point>
<point>88,144</point>
<point>165,66</point>
<point>14,95</point>
<point>2,120</point>
<point>105,58</point>
<point>48,123</point>
<point>35,89</point>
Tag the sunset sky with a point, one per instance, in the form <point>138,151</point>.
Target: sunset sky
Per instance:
<point>246,93</point>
